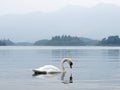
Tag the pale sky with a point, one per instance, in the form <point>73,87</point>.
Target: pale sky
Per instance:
<point>25,6</point>
<point>18,29</point>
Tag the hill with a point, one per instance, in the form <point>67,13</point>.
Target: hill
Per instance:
<point>65,40</point>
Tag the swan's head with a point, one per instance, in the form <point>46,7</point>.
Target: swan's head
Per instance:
<point>69,61</point>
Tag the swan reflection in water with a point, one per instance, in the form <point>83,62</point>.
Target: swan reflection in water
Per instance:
<point>66,81</point>
<point>54,75</point>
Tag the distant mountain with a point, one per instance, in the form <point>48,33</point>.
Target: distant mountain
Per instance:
<point>43,42</point>
<point>8,42</point>
<point>23,44</point>
<point>89,41</point>
<point>95,22</point>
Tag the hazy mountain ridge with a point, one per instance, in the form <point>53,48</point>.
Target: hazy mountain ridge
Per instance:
<point>96,22</point>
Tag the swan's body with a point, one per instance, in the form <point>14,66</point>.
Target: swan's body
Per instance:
<point>47,69</point>
<point>52,69</point>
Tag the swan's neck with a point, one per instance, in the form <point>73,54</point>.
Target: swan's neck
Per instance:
<point>62,67</point>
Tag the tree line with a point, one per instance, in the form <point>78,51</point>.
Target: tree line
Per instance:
<point>2,43</point>
<point>65,40</point>
<point>111,41</point>
<point>6,42</point>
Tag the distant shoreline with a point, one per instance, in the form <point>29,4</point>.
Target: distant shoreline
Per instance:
<point>65,40</point>
<point>59,48</point>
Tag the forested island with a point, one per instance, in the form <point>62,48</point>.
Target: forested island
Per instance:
<point>110,41</point>
<point>67,40</point>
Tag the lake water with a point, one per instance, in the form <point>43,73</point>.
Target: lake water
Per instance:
<point>94,68</point>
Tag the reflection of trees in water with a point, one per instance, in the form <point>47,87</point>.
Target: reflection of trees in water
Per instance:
<point>66,81</point>
<point>68,53</point>
<point>57,55</point>
<point>4,53</point>
<point>111,54</point>
<point>114,54</point>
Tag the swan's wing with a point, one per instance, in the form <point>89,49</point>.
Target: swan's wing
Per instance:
<point>48,68</point>
<point>52,67</point>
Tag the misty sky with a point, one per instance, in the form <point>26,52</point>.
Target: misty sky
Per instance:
<point>25,6</point>
<point>18,28</point>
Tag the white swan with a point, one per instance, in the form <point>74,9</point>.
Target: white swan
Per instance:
<point>50,69</point>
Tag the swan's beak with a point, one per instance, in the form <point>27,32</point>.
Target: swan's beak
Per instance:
<point>71,65</point>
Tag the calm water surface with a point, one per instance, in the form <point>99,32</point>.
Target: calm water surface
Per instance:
<point>95,68</point>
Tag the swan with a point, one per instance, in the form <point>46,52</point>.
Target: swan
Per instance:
<point>50,69</point>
